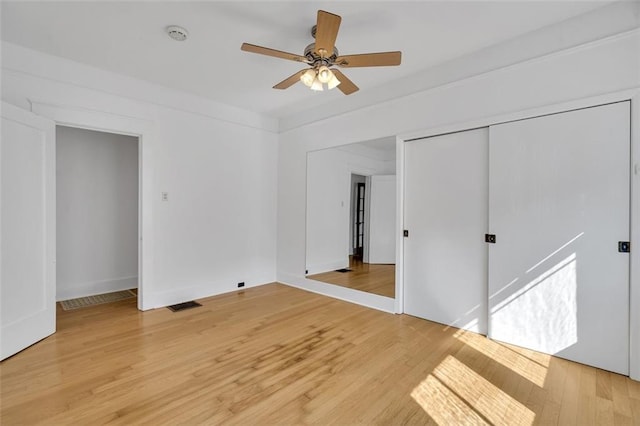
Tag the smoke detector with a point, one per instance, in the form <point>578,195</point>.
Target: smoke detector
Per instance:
<point>177,33</point>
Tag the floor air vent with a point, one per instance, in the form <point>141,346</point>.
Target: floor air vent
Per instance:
<point>343,270</point>
<point>182,306</point>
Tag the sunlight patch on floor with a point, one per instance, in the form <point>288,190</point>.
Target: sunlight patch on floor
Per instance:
<point>443,405</point>
<point>487,399</point>
<point>537,357</point>
<point>456,394</point>
<point>514,361</point>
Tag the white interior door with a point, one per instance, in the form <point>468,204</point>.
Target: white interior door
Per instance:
<point>559,204</point>
<point>382,222</point>
<point>445,256</point>
<point>27,230</point>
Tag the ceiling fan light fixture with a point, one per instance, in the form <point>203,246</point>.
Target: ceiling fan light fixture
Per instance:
<point>317,85</point>
<point>324,74</point>
<point>308,77</point>
<point>333,82</point>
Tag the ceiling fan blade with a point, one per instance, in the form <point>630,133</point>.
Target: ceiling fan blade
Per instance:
<point>272,52</point>
<point>382,59</point>
<point>326,32</point>
<point>346,86</point>
<point>290,81</point>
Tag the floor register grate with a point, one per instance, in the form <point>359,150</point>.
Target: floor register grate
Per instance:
<point>99,299</point>
<point>185,305</point>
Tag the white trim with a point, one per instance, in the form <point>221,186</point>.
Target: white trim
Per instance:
<point>634,264</point>
<point>632,95</point>
<point>326,267</point>
<point>623,95</point>
<point>370,300</point>
<point>92,288</point>
<point>399,299</point>
<point>337,111</point>
<point>44,105</point>
<point>202,290</point>
<point>366,236</point>
<point>27,63</point>
<point>84,118</point>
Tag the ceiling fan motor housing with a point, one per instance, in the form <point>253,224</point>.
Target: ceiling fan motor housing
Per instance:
<point>316,60</point>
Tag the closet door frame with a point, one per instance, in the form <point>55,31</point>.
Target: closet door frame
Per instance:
<point>103,121</point>
<point>634,274</point>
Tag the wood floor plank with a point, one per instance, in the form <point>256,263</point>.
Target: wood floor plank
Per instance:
<point>604,411</point>
<point>370,277</point>
<point>620,396</point>
<point>603,385</point>
<point>586,410</point>
<point>279,355</point>
<point>571,395</point>
<point>550,413</point>
<point>634,389</point>
<point>635,408</point>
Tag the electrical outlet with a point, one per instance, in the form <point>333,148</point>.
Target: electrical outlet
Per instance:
<point>241,284</point>
<point>165,196</point>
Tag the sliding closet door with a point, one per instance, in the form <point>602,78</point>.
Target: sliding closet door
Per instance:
<point>445,257</point>
<point>559,205</point>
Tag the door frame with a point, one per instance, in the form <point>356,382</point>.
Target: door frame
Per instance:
<point>366,173</point>
<point>632,95</point>
<point>356,245</point>
<point>103,121</point>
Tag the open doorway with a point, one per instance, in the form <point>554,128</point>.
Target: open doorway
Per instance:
<point>97,198</point>
<point>358,224</point>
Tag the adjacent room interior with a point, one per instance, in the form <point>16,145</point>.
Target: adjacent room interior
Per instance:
<point>417,212</point>
<point>96,215</point>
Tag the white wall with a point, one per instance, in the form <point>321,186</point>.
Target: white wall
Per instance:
<point>328,204</point>
<point>97,212</point>
<point>217,163</point>
<point>327,211</point>
<point>607,65</point>
<point>382,219</point>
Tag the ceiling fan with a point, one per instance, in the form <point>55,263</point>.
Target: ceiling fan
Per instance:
<point>322,56</point>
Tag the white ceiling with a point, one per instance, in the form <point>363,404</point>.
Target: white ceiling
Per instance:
<point>129,38</point>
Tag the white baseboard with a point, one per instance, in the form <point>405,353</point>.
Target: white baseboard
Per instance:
<point>66,291</point>
<point>370,300</point>
<point>327,267</point>
<point>159,299</point>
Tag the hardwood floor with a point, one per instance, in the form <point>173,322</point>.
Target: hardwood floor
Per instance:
<point>372,278</point>
<point>279,355</point>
